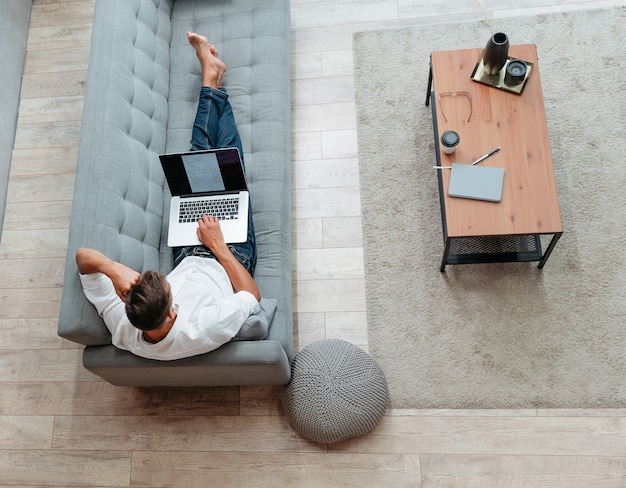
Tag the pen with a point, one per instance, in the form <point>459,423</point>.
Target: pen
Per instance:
<point>482,158</point>
<point>490,153</point>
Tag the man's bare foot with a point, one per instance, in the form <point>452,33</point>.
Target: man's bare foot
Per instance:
<point>213,68</point>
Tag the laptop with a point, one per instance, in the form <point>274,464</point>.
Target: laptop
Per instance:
<point>210,182</point>
<point>476,182</point>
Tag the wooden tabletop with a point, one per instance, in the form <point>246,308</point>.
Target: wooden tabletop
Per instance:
<point>516,123</point>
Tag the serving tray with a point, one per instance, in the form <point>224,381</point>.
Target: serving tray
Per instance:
<point>497,81</point>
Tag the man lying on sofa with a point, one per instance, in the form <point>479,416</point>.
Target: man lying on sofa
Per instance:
<point>204,301</point>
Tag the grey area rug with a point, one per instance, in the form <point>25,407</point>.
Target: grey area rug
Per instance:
<point>497,335</point>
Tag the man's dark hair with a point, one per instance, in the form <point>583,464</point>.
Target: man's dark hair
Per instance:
<point>148,302</point>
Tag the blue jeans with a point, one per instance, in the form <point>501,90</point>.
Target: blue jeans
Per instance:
<point>214,127</point>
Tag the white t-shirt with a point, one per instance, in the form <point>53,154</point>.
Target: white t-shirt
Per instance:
<point>209,312</point>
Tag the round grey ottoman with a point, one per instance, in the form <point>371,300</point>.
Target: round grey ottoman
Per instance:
<point>337,391</point>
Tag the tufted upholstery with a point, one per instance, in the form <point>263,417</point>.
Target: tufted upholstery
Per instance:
<point>140,101</point>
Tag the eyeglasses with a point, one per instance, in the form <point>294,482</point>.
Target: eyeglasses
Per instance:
<point>455,94</point>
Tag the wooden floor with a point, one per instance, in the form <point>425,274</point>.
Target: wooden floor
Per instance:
<point>62,426</point>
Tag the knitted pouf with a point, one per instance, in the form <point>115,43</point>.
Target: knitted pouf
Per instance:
<point>337,391</point>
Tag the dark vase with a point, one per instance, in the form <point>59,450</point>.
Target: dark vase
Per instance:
<point>496,53</point>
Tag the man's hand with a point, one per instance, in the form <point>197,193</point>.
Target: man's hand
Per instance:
<point>123,278</point>
<point>210,234</point>
<point>92,261</point>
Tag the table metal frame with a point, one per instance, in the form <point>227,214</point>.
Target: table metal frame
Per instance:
<point>483,249</point>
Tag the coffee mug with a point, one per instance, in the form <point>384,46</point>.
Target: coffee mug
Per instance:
<point>449,141</point>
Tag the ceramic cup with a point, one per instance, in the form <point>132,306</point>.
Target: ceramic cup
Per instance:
<point>515,72</point>
<point>449,141</point>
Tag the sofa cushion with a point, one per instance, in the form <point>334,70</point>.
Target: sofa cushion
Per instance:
<point>256,326</point>
<point>250,38</point>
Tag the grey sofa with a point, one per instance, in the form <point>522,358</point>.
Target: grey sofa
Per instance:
<point>140,100</point>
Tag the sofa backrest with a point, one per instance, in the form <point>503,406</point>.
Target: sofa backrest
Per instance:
<point>119,189</point>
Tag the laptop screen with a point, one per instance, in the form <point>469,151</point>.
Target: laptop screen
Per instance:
<point>204,172</point>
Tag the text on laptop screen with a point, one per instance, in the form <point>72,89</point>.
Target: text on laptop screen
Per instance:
<point>203,173</point>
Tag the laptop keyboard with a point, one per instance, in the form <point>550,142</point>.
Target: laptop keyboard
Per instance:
<point>225,208</point>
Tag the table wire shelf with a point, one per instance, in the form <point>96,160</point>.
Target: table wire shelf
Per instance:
<point>495,245</point>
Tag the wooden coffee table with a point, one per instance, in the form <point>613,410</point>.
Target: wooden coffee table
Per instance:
<point>486,117</point>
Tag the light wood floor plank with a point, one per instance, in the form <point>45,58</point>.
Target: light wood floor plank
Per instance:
<point>329,116</point>
<point>327,202</point>
<point>338,62</point>
<point>47,134</point>
<point>327,232</point>
<point>61,83</point>
<point>339,144</point>
<point>548,436</point>
<point>343,232</point>
<point>170,433</point>
<point>25,432</point>
<point>65,468</point>
<point>312,14</point>
<point>313,91</point>
<point>72,397</point>
<point>50,109</point>
<point>67,35</point>
<point>329,264</point>
<point>56,59</point>
<point>466,412</point>
<point>582,412</point>
<point>43,365</point>
<point>21,334</point>
<point>460,9</point>
<point>347,326</point>
<point>62,13</point>
<point>41,188</point>
<point>43,161</point>
<point>237,469</point>
<point>307,146</point>
<point>38,243</point>
<point>328,173</point>
<point>330,296</point>
<point>309,327</point>
<point>523,472</point>
<point>306,65</point>
<point>260,400</point>
<point>25,303</point>
<point>307,233</point>
<point>321,38</point>
<point>33,273</point>
<point>52,215</point>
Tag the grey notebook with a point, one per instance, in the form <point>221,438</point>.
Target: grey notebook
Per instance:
<point>476,182</point>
